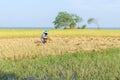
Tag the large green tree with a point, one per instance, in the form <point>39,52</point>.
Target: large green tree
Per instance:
<point>93,20</point>
<point>65,20</point>
<point>75,20</point>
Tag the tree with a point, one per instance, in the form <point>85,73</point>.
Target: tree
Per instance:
<point>65,19</point>
<point>72,25</point>
<point>93,20</point>
<point>75,20</point>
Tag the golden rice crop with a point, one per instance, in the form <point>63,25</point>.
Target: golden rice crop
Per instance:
<point>58,33</point>
<point>19,48</point>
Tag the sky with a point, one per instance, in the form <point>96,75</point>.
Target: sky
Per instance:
<point>42,13</point>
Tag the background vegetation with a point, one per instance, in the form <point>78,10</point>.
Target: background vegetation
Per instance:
<point>69,21</point>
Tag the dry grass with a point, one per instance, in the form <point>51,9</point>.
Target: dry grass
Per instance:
<point>19,48</point>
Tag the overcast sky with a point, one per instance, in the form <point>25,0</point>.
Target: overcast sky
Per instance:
<point>41,13</point>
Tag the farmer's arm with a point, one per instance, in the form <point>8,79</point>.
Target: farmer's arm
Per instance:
<point>45,36</point>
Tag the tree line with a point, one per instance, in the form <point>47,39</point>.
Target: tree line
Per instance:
<point>66,20</point>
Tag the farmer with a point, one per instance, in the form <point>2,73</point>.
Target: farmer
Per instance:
<point>44,36</point>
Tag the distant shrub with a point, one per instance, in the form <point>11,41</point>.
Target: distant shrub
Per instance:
<point>83,27</point>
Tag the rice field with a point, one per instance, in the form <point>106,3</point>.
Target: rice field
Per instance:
<point>19,48</point>
<point>58,33</point>
<point>71,54</point>
<point>103,65</point>
<point>19,44</point>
